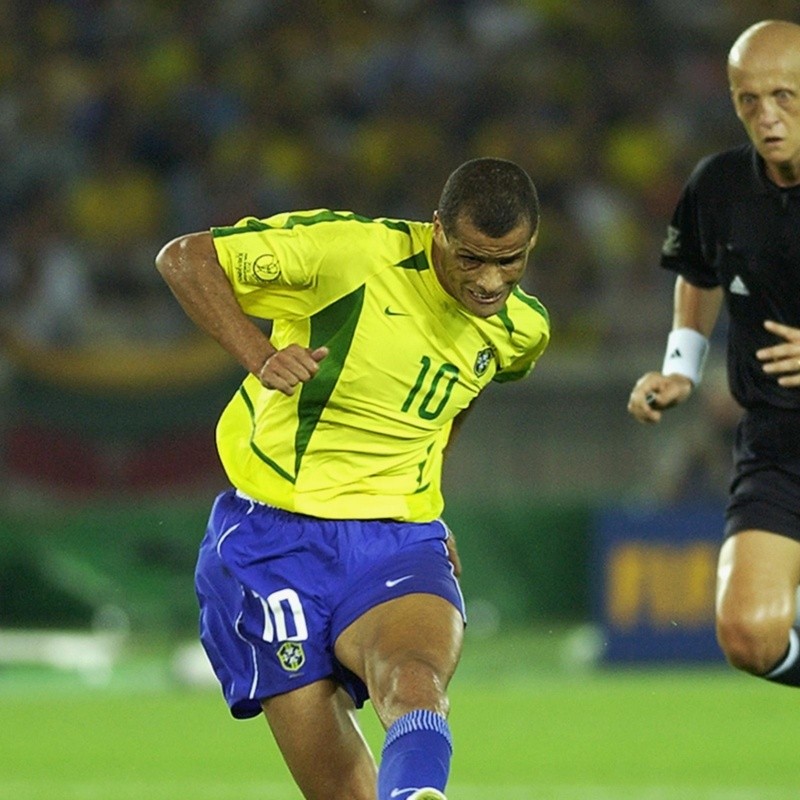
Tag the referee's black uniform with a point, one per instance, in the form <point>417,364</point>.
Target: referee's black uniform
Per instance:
<point>734,228</point>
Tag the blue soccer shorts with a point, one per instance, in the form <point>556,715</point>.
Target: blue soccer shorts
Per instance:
<point>277,588</point>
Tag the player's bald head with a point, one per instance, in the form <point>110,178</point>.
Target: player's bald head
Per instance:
<point>770,44</point>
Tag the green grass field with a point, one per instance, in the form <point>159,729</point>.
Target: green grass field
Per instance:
<point>525,728</point>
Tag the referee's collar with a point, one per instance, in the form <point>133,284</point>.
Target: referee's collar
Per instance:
<point>763,184</point>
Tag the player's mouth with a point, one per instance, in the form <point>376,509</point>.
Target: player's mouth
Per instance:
<point>487,299</point>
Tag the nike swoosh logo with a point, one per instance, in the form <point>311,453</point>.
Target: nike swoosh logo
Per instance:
<point>394,582</point>
<point>389,313</point>
<point>398,792</point>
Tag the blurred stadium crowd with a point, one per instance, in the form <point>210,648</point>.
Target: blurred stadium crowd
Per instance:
<point>123,124</point>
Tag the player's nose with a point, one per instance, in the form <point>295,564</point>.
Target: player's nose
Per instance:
<point>491,279</point>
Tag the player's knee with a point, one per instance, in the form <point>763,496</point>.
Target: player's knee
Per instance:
<point>753,643</point>
<point>409,683</point>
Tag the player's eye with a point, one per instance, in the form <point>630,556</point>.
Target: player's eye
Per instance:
<point>469,261</point>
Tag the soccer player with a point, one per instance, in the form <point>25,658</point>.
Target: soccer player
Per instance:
<point>326,575</point>
<point>735,237</point>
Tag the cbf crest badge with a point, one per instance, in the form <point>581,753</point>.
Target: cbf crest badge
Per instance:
<point>483,360</point>
<point>291,655</point>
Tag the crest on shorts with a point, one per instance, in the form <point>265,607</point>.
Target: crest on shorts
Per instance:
<point>482,360</point>
<point>292,656</point>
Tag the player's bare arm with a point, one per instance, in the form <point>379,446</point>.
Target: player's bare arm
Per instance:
<point>190,267</point>
<point>783,359</point>
<point>695,312</point>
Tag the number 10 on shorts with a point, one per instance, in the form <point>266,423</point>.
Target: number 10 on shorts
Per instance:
<point>281,610</point>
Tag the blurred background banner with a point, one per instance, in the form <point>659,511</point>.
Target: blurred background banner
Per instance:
<point>654,575</point>
<point>123,125</point>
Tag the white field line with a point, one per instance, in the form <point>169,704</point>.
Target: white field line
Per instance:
<point>175,790</point>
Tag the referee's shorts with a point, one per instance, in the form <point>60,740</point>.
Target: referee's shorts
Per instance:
<point>765,490</point>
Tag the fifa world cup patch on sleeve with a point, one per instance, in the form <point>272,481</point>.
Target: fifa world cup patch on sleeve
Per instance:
<point>265,269</point>
<point>483,360</point>
<point>291,655</point>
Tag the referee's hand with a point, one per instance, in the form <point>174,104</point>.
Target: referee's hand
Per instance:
<point>654,393</point>
<point>782,360</point>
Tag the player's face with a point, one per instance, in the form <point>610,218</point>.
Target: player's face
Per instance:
<point>766,96</point>
<point>478,270</point>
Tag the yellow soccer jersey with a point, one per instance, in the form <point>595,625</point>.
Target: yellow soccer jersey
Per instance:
<point>364,438</point>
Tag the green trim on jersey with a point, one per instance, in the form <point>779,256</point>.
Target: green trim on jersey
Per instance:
<point>253,446</point>
<point>506,320</point>
<point>505,377</point>
<point>333,327</point>
<point>252,224</point>
<point>532,302</point>
<point>419,262</point>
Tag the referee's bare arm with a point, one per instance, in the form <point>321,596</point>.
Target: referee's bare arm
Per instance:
<point>695,309</point>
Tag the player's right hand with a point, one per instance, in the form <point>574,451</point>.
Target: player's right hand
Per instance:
<point>655,392</point>
<point>284,369</point>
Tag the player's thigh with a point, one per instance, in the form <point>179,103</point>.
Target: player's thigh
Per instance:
<point>758,575</point>
<point>316,730</point>
<point>419,627</point>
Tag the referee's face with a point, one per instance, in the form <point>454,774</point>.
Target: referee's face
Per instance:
<point>478,270</point>
<point>765,88</point>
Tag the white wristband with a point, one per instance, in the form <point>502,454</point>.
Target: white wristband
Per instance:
<point>686,354</point>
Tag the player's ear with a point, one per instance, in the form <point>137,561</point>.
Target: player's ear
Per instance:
<point>438,229</point>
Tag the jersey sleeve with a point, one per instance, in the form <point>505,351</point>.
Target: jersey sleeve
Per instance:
<point>528,326</point>
<point>290,265</point>
<point>522,367</point>
<point>682,251</point>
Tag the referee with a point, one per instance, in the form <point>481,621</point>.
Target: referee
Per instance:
<point>735,238</point>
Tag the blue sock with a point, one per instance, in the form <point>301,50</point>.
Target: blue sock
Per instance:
<point>416,753</point>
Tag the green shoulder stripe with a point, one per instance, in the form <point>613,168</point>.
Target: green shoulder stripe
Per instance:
<point>294,220</point>
<point>529,301</point>
<point>506,320</point>
<point>532,302</point>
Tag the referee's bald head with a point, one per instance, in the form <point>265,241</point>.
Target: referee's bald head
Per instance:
<point>772,42</point>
